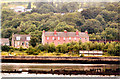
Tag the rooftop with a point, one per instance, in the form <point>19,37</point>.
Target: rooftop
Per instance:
<point>68,34</point>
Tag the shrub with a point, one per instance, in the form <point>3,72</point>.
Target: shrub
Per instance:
<point>82,55</point>
<point>40,47</point>
<point>20,49</point>
<point>35,53</point>
<point>30,51</point>
<point>5,48</point>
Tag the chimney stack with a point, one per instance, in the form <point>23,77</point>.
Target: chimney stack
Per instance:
<point>43,31</point>
<point>65,31</point>
<point>86,32</point>
<point>55,32</point>
<point>77,33</point>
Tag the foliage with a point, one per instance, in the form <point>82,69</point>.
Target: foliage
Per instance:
<point>5,48</point>
<point>31,51</point>
<point>82,55</point>
<point>99,19</point>
<point>63,16</point>
<point>20,49</point>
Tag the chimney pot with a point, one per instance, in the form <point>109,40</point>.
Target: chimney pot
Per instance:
<point>86,32</point>
<point>65,31</point>
<point>55,32</point>
<point>43,31</point>
<point>77,32</point>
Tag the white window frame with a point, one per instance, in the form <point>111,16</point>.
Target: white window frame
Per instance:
<point>18,38</point>
<point>75,38</point>
<point>28,38</point>
<point>18,43</point>
<point>58,38</point>
<point>64,38</point>
<point>53,38</point>
<point>47,38</point>
<point>69,38</point>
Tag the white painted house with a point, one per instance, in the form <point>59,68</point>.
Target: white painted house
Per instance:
<point>20,9</point>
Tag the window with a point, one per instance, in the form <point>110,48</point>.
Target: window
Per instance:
<point>58,38</point>
<point>75,38</point>
<point>47,38</point>
<point>53,38</point>
<point>69,38</point>
<point>26,43</point>
<point>64,38</point>
<point>22,43</point>
<point>17,38</point>
<point>28,38</point>
<point>18,43</point>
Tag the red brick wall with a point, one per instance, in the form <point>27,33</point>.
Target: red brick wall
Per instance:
<point>61,41</point>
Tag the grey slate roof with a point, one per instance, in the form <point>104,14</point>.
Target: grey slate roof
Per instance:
<point>22,37</point>
<point>68,34</point>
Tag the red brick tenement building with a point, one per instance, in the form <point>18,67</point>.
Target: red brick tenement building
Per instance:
<point>63,37</point>
<point>20,40</point>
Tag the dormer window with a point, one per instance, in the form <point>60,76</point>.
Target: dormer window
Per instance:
<point>53,38</point>
<point>64,38</point>
<point>28,38</point>
<point>17,38</point>
<point>47,38</point>
<point>58,38</point>
<point>69,38</point>
<point>75,38</point>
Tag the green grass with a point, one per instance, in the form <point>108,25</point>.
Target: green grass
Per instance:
<point>21,53</point>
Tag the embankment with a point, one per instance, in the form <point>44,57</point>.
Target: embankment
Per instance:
<point>39,59</point>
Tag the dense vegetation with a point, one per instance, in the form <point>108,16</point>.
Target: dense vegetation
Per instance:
<point>70,48</point>
<point>101,20</point>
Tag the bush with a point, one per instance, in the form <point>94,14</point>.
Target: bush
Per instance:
<point>5,48</point>
<point>82,55</point>
<point>11,50</point>
<point>31,51</point>
<point>35,53</point>
<point>40,47</point>
<point>20,49</point>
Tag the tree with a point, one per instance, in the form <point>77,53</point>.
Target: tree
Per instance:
<point>58,48</point>
<point>91,13</point>
<point>40,47</point>
<point>101,20</point>
<point>110,7</point>
<point>108,15</point>
<point>111,34</point>
<point>51,47</point>
<point>46,47</point>
<point>92,26</point>
<point>46,8</point>
<point>63,26</point>
<point>5,48</point>
<point>33,41</point>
